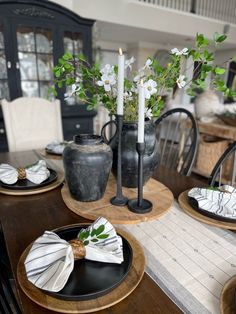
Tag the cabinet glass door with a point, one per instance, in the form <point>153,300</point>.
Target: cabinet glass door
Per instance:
<point>73,43</point>
<point>35,54</point>
<point>4,89</point>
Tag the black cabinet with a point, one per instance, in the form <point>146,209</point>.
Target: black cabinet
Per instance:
<point>33,35</point>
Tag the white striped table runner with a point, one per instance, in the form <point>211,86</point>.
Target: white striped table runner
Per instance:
<point>189,260</point>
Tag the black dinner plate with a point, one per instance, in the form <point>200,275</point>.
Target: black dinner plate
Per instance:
<point>195,206</point>
<point>52,152</point>
<point>28,185</point>
<point>90,279</point>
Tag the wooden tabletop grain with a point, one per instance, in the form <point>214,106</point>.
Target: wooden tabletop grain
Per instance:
<point>24,218</point>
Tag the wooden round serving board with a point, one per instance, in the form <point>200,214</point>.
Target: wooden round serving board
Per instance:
<point>131,281</point>
<point>183,201</point>
<point>227,298</point>
<point>46,188</point>
<point>154,191</point>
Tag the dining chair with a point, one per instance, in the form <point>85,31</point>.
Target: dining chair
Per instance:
<point>225,169</point>
<point>8,301</point>
<point>31,123</point>
<point>178,136</point>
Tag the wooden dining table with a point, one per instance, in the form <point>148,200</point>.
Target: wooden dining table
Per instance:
<point>24,218</point>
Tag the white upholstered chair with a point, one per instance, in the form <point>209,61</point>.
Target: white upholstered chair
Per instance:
<point>31,123</point>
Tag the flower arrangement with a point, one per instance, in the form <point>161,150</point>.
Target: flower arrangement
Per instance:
<point>93,85</point>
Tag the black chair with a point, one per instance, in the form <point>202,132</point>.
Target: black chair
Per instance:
<point>225,168</point>
<point>8,301</point>
<point>178,137</point>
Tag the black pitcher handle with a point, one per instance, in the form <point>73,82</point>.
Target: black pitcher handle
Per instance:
<point>103,131</point>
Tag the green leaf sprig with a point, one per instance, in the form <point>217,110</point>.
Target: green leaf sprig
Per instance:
<point>205,67</point>
<point>213,188</point>
<point>93,235</point>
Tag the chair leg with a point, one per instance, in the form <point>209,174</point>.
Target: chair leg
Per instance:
<point>233,169</point>
<point>4,301</point>
<point>8,299</point>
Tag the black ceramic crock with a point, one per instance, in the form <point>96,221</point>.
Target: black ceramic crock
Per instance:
<point>129,155</point>
<point>87,163</point>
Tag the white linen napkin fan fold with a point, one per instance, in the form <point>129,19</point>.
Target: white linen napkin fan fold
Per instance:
<point>36,173</point>
<point>220,201</point>
<point>50,260</point>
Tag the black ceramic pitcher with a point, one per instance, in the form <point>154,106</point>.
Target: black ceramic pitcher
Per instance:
<point>129,155</point>
<point>87,162</point>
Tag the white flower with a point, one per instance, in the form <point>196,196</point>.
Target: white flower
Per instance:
<point>137,78</point>
<point>177,52</point>
<point>128,96</point>
<point>181,81</point>
<point>129,62</point>
<point>108,69</point>
<point>74,89</point>
<point>148,113</point>
<point>141,72</point>
<point>147,64</point>
<point>184,51</point>
<point>134,89</point>
<point>107,81</point>
<point>149,88</point>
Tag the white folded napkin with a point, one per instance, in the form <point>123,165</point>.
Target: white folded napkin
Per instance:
<point>50,261</point>
<point>108,250</point>
<point>57,147</point>
<point>221,202</point>
<point>36,173</point>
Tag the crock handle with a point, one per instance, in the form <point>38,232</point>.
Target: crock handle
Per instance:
<point>103,132</point>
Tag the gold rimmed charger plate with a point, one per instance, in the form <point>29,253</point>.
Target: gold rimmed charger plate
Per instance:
<point>130,282</point>
<point>45,188</point>
<point>227,297</point>
<point>183,201</point>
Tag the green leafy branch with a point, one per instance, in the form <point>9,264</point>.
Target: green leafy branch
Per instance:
<point>75,70</point>
<point>205,67</point>
<point>93,235</point>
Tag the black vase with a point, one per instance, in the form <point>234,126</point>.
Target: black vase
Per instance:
<point>87,163</point>
<point>129,155</point>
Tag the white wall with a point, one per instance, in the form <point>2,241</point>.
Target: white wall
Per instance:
<point>69,4</point>
<point>139,14</point>
<point>222,56</point>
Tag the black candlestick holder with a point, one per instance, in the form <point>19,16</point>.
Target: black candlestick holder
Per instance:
<point>140,205</point>
<point>119,199</point>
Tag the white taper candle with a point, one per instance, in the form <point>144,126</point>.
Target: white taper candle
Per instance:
<point>120,87</point>
<point>141,105</point>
